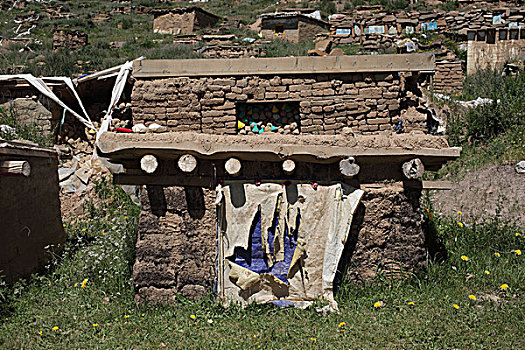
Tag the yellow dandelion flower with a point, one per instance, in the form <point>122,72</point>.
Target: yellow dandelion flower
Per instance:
<point>313,339</point>
<point>460,224</point>
<point>497,255</point>
<point>143,315</point>
<point>460,212</point>
<point>378,304</point>
<point>84,229</point>
<point>63,225</point>
<point>102,233</point>
<point>464,258</point>
<point>518,234</point>
<point>55,329</point>
<point>472,297</point>
<point>192,317</point>
<point>487,272</point>
<point>504,286</point>
<point>426,209</point>
<point>411,303</point>
<point>39,332</point>
<point>126,316</point>
<point>455,306</point>
<point>84,283</point>
<point>125,217</point>
<point>341,324</point>
<point>444,298</point>
<point>95,324</point>
<point>75,285</point>
<point>517,252</point>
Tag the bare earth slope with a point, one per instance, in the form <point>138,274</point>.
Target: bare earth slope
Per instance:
<point>482,192</point>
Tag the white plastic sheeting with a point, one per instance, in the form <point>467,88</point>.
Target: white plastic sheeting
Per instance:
<point>118,88</point>
<point>41,86</point>
<point>320,217</point>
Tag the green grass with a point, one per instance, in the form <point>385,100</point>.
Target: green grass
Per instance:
<point>57,299</point>
<point>508,148</point>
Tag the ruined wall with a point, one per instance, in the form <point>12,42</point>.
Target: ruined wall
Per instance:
<point>493,48</point>
<point>32,110</point>
<point>368,103</point>
<point>70,39</point>
<point>308,30</point>
<point>29,215</point>
<point>172,23</point>
<point>176,246</point>
<point>449,77</point>
<point>203,20</point>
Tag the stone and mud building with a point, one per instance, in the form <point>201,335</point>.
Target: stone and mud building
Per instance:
<point>275,175</point>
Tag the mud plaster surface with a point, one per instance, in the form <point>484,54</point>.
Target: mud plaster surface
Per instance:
<point>175,250</point>
<point>386,235</point>
<point>405,141</point>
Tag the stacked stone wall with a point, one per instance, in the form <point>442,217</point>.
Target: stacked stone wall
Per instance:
<point>395,23</point>
<point>449,77</point>
<point>367,103</point>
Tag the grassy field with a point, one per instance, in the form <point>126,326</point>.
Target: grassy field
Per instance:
<point>470,298</point>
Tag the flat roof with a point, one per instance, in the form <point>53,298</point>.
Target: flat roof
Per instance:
<point>422,62</point>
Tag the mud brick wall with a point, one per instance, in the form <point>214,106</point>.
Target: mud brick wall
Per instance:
<point>29,215</point>
<point>368,103</point>
<point>70,39</point>
<point>449,77</point>
<point>176,246</point>
<point>387,234</point>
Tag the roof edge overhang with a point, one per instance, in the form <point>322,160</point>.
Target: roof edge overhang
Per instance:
<point>422,62</point>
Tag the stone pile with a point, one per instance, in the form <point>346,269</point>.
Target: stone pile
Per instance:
<point>449,76</point>
<point>280,118</point>
<point>231,51</point>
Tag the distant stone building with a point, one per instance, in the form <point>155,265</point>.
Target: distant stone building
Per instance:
<point>492,48</point>
<point>292,26</point>
<point>183,20</point>
<point>70,39</point>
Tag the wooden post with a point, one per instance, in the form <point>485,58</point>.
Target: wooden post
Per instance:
<point>413,169</point>
<point>187,163</point>
<point>149,163</point>
<point>233,166</point>
<point>288,166</point>
<point>348,167</point>
<point>15,168</point>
